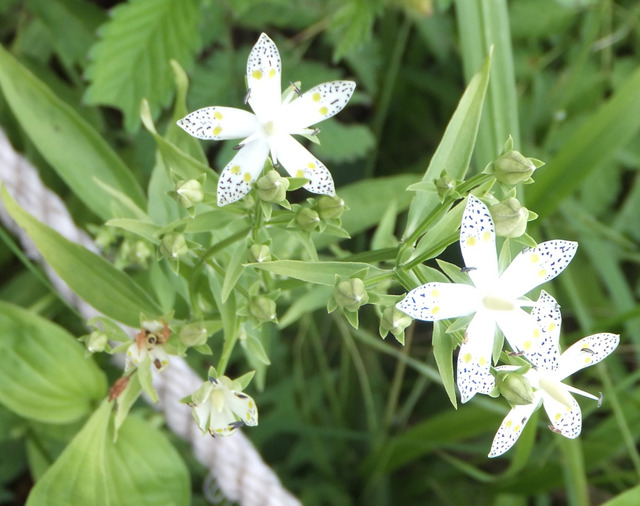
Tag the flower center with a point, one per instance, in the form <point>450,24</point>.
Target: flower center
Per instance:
<point>497,303</point>
<point>557,390</point>
<point>217,399</point>
<point>270,128</point>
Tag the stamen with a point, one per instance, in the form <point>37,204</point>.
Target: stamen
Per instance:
<point>600,400</point>
<point>238,147</point>
<point>553,429</point>
<point>295,88</point>
<point>588,350</point>
<point>247,95</point>
<point>516,353</point>
<point>316,131</point>
<point>467,269</point>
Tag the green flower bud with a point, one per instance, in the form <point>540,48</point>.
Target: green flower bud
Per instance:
<point>173,245</point>
<point>510,218</point>
<point>263,309</point>
<point>96,341</point>
<point>189,192</point>
<point>307,219</point>
<point>445,186</point>
<point>193,334</point>
<point>512,168</point>
<point>330,207</point>
<point>259,253</point>
<point>272,187</point>
<point>141,253</point>
<point>515,388</point>
<point>394,320</point>
<point>351,294</point>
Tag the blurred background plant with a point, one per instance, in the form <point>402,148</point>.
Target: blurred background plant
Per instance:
<point>346,417</point>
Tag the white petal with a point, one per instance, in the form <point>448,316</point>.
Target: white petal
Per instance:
<point>519,328</point>
<point>235,180</point>
<point>202,415</point>
<point>478,243</point>
<point>439,301</point>
<point>567,420</point>
<point>544,352</point>
<point>299,162</point>
<point>317,104</point>
<point>535,266</point>
<point>159,358</point>
<point>474,357</point>
<point>511,428</point>
<point>587,351</point>
<point>263,79</point>
<point>219,123</point>
<point>244,407</point>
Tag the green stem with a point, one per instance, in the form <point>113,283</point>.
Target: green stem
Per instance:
<point>396,383</point>
<point>432,252</point>
<point>227,349</point>
<point>574,472</point>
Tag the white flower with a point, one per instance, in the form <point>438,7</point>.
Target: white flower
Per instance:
<point>220,407</point>
<point>149,343</point>
<point>269,130</point>
<point>494,298</point>
<point>546,380</point>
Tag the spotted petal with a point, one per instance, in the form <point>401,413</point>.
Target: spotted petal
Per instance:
<point>478,243</point>
<point>474,357</point>
<point>299,162</point>
<point>567,420</point>
<point>263,78</point>
<point>438,301</point>
<point>519,328</point>
<point>511,428</point>
<point>243,406</point>
<point>219,123</point>
<point>317,104</point>
<point>235,179</point>
<point>586,352</point>
<point>535,266</point>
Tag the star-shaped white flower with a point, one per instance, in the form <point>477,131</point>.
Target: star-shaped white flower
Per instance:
<point>270,129</point>
<point>546,381</point>
<point>220,407</point>
<point>495,297</point>
<point>149,343</point>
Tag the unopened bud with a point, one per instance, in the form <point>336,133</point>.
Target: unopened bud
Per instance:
<point>394,320</point>
<point>259,253</point>
<point>193,334</point>
<point>510,218</point>
<point>515,388</point>
<point>96,341</point>
<point>263,309</point>
<point>445,186</point>
<point>173,245</point>
<point>330,207</point>
<point>351,294</point>
<point>512,167</point>
<point>189,192</point>
<point>307,219</point>
<point>272,187</point>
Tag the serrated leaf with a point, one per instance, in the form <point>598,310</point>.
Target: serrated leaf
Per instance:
<point>95,280</point>
<point>343,143</point>
<point>131,61</point>
<point>43,371</point>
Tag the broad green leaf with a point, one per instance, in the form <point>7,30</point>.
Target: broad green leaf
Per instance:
<point>131,61</point>
<point>321,273</point>
<point>455,148</point>
<point>43,370</point>
<point>67,142</point>
<point>141,468</point>
<point>316,298</point>
<point>343,143</point>
<point>483,25</point>
<point>593,145</point>
<point>234,269</point>
<point>630,497</point>
<point>443,346</point>
<point>94,279</point>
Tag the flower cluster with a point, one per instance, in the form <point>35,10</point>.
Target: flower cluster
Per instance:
<point>497,299</point>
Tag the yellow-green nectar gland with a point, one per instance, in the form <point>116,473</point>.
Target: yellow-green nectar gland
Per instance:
<point>496,303</point>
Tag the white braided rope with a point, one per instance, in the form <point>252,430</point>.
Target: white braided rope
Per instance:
<point>234,463</point>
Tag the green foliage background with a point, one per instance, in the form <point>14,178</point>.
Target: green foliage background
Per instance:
<point>345,417</point>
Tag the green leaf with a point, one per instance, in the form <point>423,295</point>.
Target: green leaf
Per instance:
<point>126,400</point>
<point>320,273</point>
<point>94,279</point>
<point>131,61</point>
<point>343,143</point>
<point>43,370</point>
<point>443,346</point>
<point>234,269</point>
<point>67,142</point>
<point>141,468</point>
<point>316,298</point>
<point>455,148</point>
<point>144,229</point>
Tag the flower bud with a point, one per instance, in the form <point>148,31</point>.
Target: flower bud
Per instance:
<point>330,207</point>
<point>394,320</point>
<point>445,186</point>
<point>173,245</point>
<point>96,341</point>
<point>307,219</point>
<point>515,388</point>
<point>259,253</point>
<point>272,187</point>
<point>193,334</point>
<point>512,168</point>
<point>189,192</point>
<point>351,294</point>
<point>510,218</point>
<point>263,309</point>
